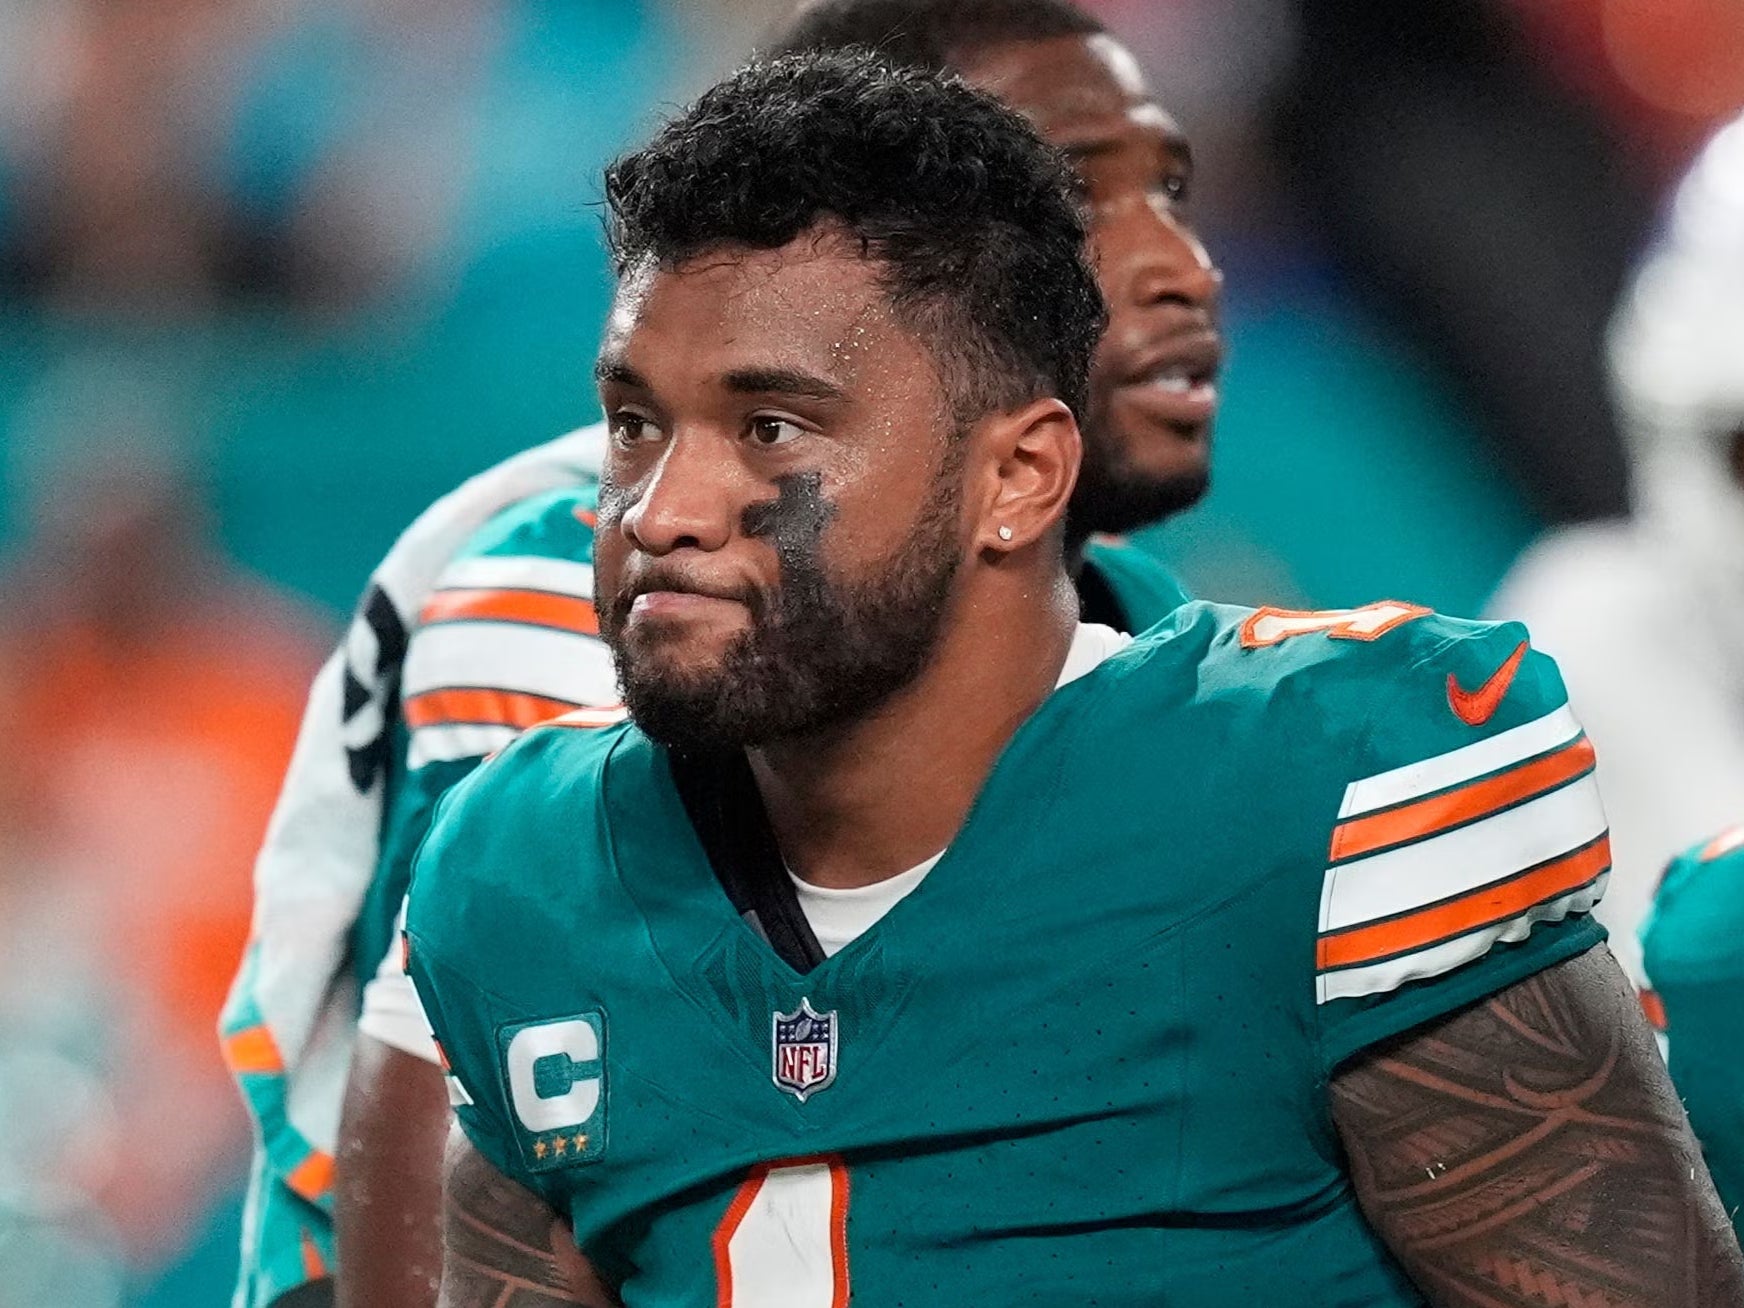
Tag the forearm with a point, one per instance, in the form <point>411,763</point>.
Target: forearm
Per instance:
<point>504,1247</point>
<point>389,1186</point>
<point>1530,1151</point>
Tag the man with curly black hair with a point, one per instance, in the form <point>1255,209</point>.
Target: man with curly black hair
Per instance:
<point>947,204</point>
<point>915,941</point>
<point>480,622</point>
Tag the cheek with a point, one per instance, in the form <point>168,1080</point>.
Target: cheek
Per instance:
<point>608,561</point>
<point>1125,236</point>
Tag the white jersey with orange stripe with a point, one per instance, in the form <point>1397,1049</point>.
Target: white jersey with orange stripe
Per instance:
<point>509,636</point>
<point>508,639</point>
<point>290,1022</point>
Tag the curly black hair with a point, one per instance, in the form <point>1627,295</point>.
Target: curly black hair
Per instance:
<point>970,214</point>
<point>935,34</point>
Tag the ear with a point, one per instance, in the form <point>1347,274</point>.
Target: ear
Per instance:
<point>1031,458</point>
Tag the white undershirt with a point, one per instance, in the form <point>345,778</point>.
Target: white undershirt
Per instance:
<point>393,1015</point>
<point>839,917</point>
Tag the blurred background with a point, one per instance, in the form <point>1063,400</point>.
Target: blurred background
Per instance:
<point>273,276</point>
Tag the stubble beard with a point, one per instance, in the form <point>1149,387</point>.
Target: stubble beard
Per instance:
<point>1114,495</point>
<point>820,653</point>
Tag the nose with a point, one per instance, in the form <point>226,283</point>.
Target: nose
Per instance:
<point>686,501</point>
<point>1168,262</point>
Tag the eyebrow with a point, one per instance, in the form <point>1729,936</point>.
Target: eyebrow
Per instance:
<point>616,370</point>
<point>741,381</point>
<point>1088,151</point>
<point>782,381</point>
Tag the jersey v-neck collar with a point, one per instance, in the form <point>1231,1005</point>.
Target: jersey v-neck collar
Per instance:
<point>659,859</point>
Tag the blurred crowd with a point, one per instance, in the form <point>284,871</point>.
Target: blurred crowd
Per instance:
<point>273,276</point>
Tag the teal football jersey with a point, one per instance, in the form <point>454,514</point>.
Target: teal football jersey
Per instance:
<point>1693,951</point>
<point>509,639</point>
<point>1144,590</point>
<point>1086,1060</point>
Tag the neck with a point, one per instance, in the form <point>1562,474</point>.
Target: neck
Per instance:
<point>869,800</point>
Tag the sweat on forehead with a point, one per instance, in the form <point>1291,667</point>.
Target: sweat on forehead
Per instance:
<point>817,305</point>
<point>969,216</point>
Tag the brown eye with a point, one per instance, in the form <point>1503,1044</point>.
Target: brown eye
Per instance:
<point>631,428</point>
<point>768,431</point>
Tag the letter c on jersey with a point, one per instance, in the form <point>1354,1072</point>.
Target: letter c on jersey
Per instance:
<point>555,1073</point>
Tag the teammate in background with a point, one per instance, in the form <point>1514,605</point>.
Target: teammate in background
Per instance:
<point>1646,616</point>
<point>460,643</point>
<point>1693,952</point>
<point>1048,893</point>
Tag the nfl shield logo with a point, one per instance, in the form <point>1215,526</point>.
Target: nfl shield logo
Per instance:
<point>805,1050</point>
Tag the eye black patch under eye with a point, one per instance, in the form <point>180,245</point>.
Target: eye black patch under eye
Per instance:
<point>795,519</point>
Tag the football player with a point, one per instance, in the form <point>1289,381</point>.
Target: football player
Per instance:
<point>467,635</point>
<point>918,942</point>
<point>1693,947</point>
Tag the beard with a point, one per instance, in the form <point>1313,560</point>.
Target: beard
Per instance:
<point>1116,496</point>
<point>1113,496</point>
<point>821,651</point>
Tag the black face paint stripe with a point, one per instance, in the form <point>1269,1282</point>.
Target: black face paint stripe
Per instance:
<point>795,520</point>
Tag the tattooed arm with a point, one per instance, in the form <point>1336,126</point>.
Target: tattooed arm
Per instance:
<point>1530,1151</point>
<point>503,1246</point>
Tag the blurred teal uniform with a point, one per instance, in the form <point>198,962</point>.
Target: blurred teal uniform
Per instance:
<point>1086,1060</point>
<point>1693,951</point>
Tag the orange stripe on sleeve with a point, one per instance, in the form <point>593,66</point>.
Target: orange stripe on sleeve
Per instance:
<point>484,706</point>
<point>1481,907</point>
<point>590,718</point>
<point>312,1177</point>
<point>1425,817</point>
<point>314,1266</point>
<point>1653,1009</point>
<point>252,1049</point>
<point>1721,845</point>
<point>535,608</point>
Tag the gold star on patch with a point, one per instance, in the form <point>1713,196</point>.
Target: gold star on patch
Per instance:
<point>561,1145</point>
<point>539,1150</point>
<point>580,1142</point>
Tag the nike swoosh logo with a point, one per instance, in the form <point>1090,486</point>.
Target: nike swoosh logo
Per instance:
<point>1476,707</point>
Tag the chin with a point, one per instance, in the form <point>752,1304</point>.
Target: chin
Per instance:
<point>676,653</point>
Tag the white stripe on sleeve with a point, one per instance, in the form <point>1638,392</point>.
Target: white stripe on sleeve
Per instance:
<point>1501,750</point>
<point>1391,973</point>
<point>519,572</point>
<point>1462,860</point>
<point>448,741</point>
<point>511,656</point>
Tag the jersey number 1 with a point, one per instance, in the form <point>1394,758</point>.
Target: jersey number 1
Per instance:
<point>784,1240</point>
